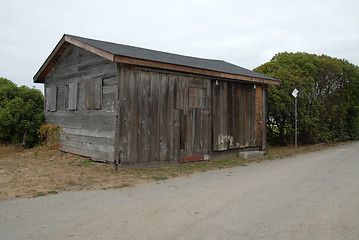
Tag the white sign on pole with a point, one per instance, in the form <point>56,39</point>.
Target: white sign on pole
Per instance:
<point>295,93</point>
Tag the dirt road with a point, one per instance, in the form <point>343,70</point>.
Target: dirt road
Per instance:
<point>310,196</point>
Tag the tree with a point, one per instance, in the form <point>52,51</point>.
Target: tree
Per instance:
<point>21,113</point>
<point>327,102</point>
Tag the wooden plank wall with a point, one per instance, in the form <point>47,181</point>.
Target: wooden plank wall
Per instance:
<point>144,120</point>
<point>236,115</point>
<point>90,132</point>
<point>155,120</point>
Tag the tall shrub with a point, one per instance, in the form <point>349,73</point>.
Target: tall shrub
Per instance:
<point>327,102</point>
<point>21,113</point>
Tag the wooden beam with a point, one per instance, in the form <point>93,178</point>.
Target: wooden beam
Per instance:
<point>116,155</point>
<point>180,68</point>
<point>90,48</point>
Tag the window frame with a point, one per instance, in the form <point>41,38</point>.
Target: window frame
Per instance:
<point>200,93</point>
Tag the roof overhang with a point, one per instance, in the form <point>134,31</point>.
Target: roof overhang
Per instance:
<point>66,41</point>
<point>200,71</point>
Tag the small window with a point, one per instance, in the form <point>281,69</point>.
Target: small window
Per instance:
<point>71,96</point>
<point>51,97</point>
<point>197,97</point>
<point>94,94</point>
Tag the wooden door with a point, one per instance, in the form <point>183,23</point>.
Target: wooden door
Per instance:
<point>234,115</point>
<point>196,132</point>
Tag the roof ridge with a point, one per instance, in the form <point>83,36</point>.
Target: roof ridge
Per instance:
<point>150,57</point>
<point>143,48</point>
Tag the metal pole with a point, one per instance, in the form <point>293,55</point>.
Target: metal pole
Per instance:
<point>295,137</point>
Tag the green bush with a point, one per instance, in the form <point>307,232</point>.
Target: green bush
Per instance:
<point>21,114</point>
<point>328,99</point>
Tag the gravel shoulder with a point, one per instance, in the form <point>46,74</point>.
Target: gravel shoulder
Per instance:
<point>308,196</point>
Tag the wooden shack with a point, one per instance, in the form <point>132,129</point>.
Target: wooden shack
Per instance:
<point>137,106</point>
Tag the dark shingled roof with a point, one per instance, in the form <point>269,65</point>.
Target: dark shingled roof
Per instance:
<point>163,57</point>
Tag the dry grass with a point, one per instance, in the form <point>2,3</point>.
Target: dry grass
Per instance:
<point>42,171</point>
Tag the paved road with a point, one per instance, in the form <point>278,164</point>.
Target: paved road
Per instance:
<point>311,196</point>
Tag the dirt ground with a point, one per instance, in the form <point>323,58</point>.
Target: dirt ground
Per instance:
<point>42,171</point>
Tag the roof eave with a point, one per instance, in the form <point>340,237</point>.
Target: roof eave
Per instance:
<point>200,71</point>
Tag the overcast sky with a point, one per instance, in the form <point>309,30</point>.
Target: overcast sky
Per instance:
<point>245,33</point>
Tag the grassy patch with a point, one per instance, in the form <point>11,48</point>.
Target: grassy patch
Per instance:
<point>85,162</point>
<point>41,194</point>
<point>159,178</point>
<point>36,172</point>
<point>124,185</point>
<point>52,192</point>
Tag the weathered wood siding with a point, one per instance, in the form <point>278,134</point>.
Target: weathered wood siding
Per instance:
<point>237,115</point>
<point>156,123</point>
<point>89,129</point>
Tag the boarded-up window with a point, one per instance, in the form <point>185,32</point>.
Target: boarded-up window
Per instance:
<point>71,96</point>
<point>197,97</point>
<point>94,94</point>
<point>67,95</point>
<point>51,97</point>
